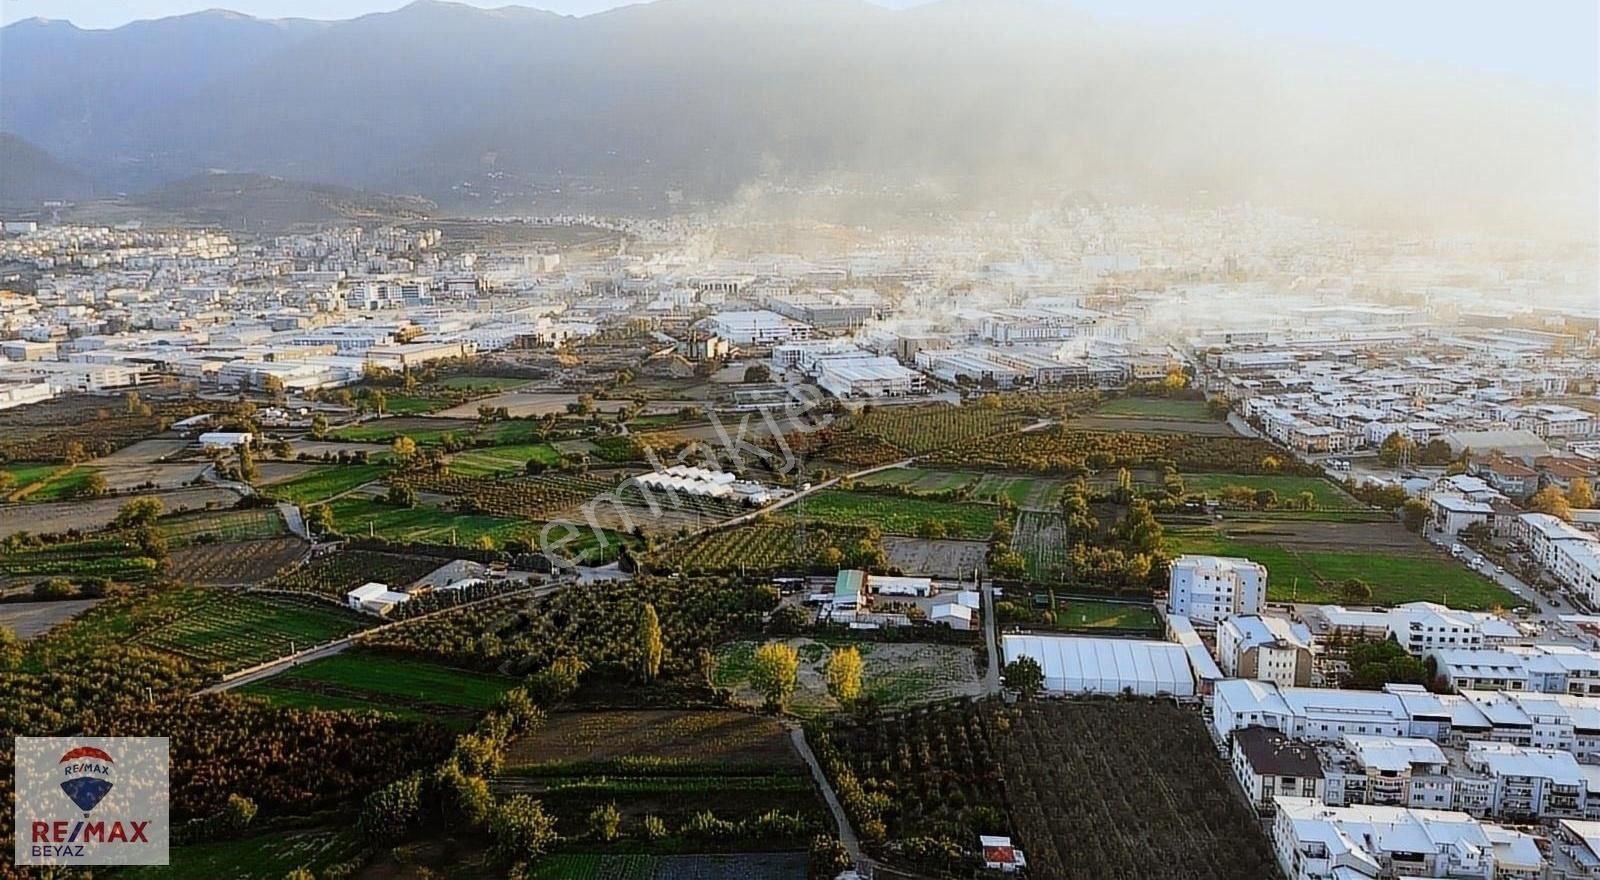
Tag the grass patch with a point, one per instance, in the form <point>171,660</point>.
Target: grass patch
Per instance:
<point>1328,496</point>
<point>409,681</point>
<point>323,483</point>
<point>1315,575</point>
<point>233,631</point>
<point>268,857</point>
<point>60,485</point>
<point>1087,614</point>
<point>414,404</point>
<point>363,516</point>
<point>483,462</point>
<point>897,515</point>
<point>1157,408</point>
<point>481,384</point>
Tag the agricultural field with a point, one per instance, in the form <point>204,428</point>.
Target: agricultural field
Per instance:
<point>364,517</point>
<point>919,429</point>
<point>404,688</point>
<point>481,384</point>
<point>232,631</point>
<point>247,524</point>
<point>95,513</point>
<point>595,622</point>
<point>920,480</point>
<point>1041,539</point>
<point>763,548</point>
<point>325,482</point>
<point>61,484</point>
<point>1090,789</point>
<point>338,573</point>
<point>1157,408</point>
<point>1308,561</point>
<point>671,764</point>
<point>520,497</point>
<point>1068,451</point>
<point>28,619</point>
<point>24,475</point>
<point>897,515</point>
<point>235,563</point>
<point>267,857</point>
<point>895,674</point>
<point>701,866</point>
<point>492,460</point>
<point>108,557</point>
<point>431,431</point>
<point>1328,496</point>
<point>931,557</point>
<point>81,426</point>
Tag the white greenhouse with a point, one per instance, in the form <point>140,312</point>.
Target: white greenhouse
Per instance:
<point>1077,665</point>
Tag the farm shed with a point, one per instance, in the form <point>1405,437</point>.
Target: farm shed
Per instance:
<point>952,614</point>
<point>885,585</point>
<point>1076,665</point>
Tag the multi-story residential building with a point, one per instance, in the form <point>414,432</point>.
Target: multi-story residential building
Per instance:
<point>1526,784</point>
<point>1269,764</point>
<point>1266,648</point>
<point>1314,841</point>
<point>1207,589</point>
<point>1387,771</point>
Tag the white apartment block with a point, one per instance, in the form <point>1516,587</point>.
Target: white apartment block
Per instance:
<point>1541,668</point>
<point>1207,589</point>
<point>1314,841</point>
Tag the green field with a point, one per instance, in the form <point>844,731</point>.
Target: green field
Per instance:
<point>25,474</point>
<point>1328,496</point>
<point>920,480</point>
<point>268,857</point>
<point>364,516</point>
<point>414,404</point>
<point>481,384</point>
<point>226,525</point>
<point>1082,613</point>
<point>492,460</point>
<point>1314,575</point>
<point>382,431</point>
<point>325,482</point>
<point>1156,408</point>
<point>60,486</point>
<point>410,689</point>
<point>234,631</point>
<point>1029,493</point>
<point>897,515</point>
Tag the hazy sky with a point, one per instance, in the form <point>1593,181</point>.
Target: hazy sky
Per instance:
<point>1552,42</point>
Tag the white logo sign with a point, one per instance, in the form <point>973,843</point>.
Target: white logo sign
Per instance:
<point>91,800</point>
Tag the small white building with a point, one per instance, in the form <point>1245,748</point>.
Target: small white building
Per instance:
<point>885,585</point>
<point>952,614</point>
<point>1452,514</point>
<point>375,598</point>
<point>1000,855</point>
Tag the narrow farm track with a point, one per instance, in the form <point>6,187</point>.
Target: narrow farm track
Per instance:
<point>847,834</point>
<point>281,664</point>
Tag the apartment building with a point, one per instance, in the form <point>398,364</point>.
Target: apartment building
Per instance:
<point>1207,589</point>
<point>1269,764</point>
<point>1265,648</point>
<point>1314,841</point>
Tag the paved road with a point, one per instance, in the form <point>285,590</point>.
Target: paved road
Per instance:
<point>847,834</point>
<point>991,625</point>
<point>293,520</point>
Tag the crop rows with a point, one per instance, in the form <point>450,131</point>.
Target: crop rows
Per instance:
<point>918,430</point>
<point>1041,538</point>
<point>235,631</point>
<point>246,562</point>
<point>531,497</point>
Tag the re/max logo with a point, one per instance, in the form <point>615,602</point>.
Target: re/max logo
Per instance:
<point>89,832</point>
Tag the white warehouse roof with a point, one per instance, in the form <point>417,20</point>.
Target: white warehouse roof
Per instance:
<point>1076,665</point>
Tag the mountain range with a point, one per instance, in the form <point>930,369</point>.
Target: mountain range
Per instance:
<point>972,103</point>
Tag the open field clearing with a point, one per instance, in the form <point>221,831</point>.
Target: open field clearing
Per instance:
<point>248,524</point>
<point>920,480</point>
<point>28,619</point>
<point>411,689</point>
<point>1156,408</point>
<point>127,477</point>
<point>235,563</point>
<point>521,404</point>
<point>362,517</point>
<point>59,485</point>
<point>1288,488</point>
<point>1308,561</point>
<point>502,459</point>
<point>268,857</point>
<point>25,474</point>
<point>896,515</point>
<point>95,513</point>
<point>675,737</point>
<point>1153,425</point>
<point>233,631</point>
<point>324,482</point>
<point>927,557</point>
<point>896,675</point>
<point>1089,789</point>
